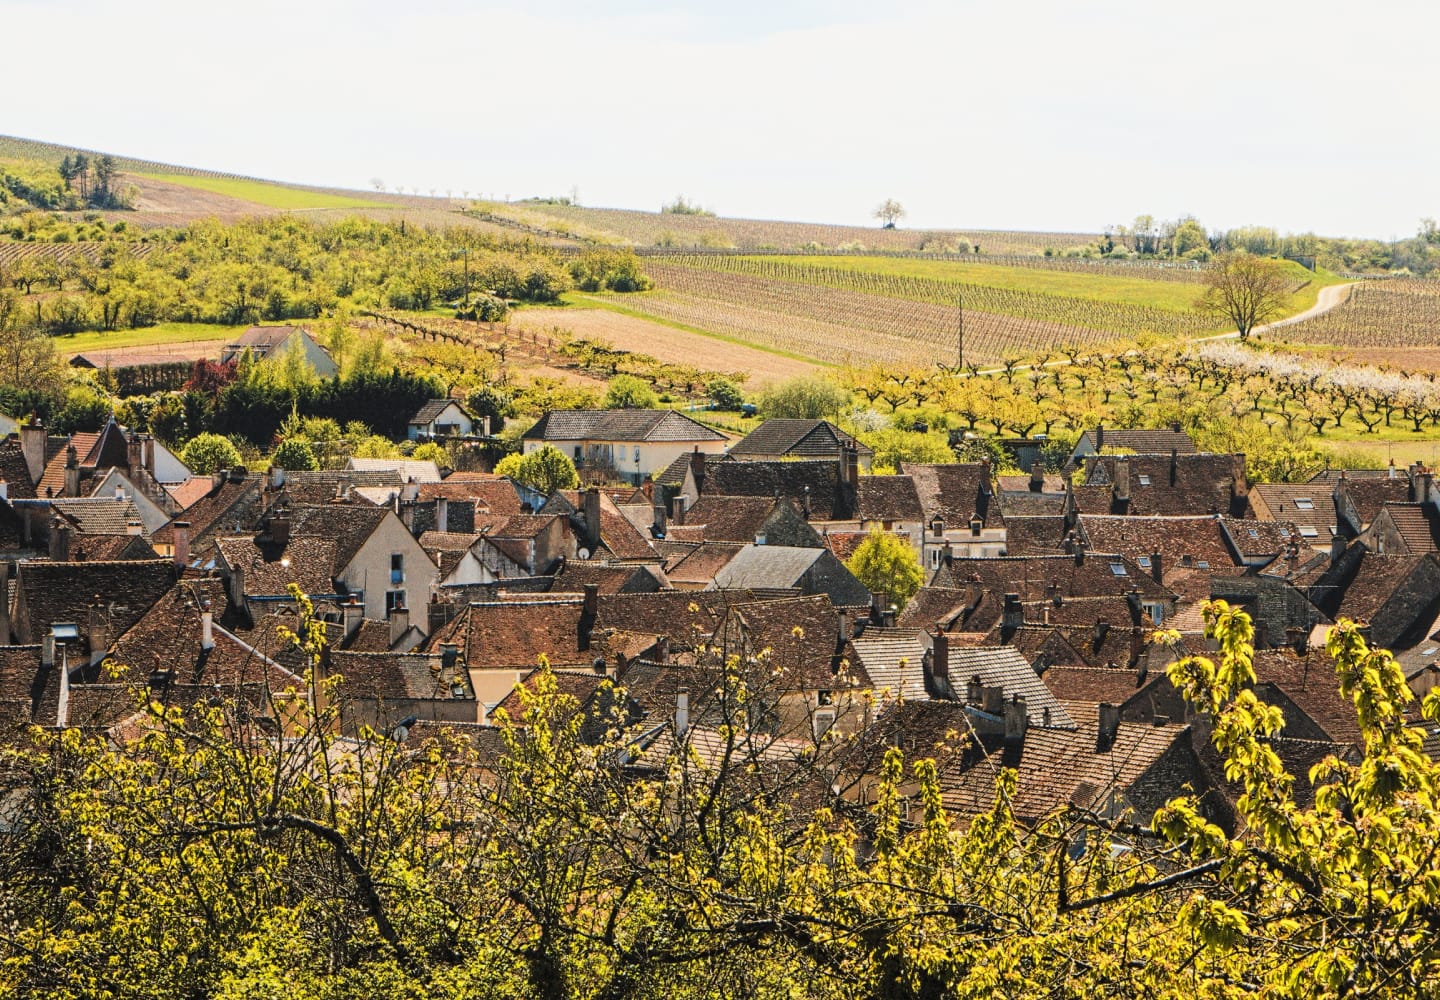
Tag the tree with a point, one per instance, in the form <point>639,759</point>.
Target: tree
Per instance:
<point>889,212</point>
<point>204,453</point>
<point>545,469</point>
<point>887,566</point>
<point>724,394</point>
<point>627,392</point>
<point>807,397</point>
<point>430,451</point>
<point>295,455</point>
<point>893,446</point>
<point>1245,290</point>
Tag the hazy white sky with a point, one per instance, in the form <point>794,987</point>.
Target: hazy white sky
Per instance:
<point>1012,115</point>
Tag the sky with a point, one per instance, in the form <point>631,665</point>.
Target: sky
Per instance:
<point>1037,115</point>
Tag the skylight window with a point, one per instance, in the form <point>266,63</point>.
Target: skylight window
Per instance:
<point>1254,533</point>
<point>1144,480</point>
<point>1143,562</point>
<point>1203,563</point>
<point>1118,569</point>
<point>1307,531</point>
<point>1304,503</point>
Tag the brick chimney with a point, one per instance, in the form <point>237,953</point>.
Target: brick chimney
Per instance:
<point>98,630</point>
<point>992,700</point>
<point>1099,436</point>
<point>442,514</point>
<point>591,502</point>
<point>1121,489</point>
<point>1174,466</point>
<point>399,623</point>
<point>1013,614</point>
<point>32,446</point>
<point>1109,727</point>
<point>677,509</point>
<point>280,527</point>
<point>134,528</point>
<point>352,612</point>
<point>697,469</point>
<point>72,472</point>
<point>1017,720</point>
<point>180,543</point>
<point>940,658</point>
<point>589,611</point>
<point>1157,566</point>
<point>850,464</point>
<point>134,452</point>
<point>59,540</point>
<point>974,690</point>
<point>1037,476</point>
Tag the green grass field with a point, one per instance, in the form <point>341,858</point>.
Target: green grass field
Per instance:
<point>269,195</point>
<point>153,336</point>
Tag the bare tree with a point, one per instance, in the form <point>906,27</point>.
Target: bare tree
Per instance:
<point>1245,290</point>
<point>889,212</point>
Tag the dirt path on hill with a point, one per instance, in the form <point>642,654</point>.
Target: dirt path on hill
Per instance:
<point>630,333</point>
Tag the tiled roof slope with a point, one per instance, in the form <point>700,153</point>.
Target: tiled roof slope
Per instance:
<point>619,425</point>
<point>795,437</point>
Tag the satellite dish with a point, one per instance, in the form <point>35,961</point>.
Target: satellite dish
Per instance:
<point>582,553</point>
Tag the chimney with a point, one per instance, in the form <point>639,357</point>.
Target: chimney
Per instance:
<point>1157,567</point>
<point>180,543</point>
<point>677,510</point>
<point>442,514</point>
<point>1425,488</point>
<point>697,470</point>
<point>217,479</point>
<point>1013,614</point>
<point>947,552</point>
<point>682,713</point>
<point>47,650</point>
<point>98,631</point>
<point>32,445</point>
<point>1337,548</point>
<point>591,500</point>
<point>1100,630</point>
<point>1016,719</point>
<point>147,453</point>
<point>72,472</point>
<point>1121,488</point>
<point>657,528</point>
<point>399,623</point>
<point>1109,726</point>
<point>1080,552</point>
<point>1392,469</point>
<point>207,627</point>
<point>850,464</point>
<point>277,477</point>
<point>1174,466</point>
<point>449,656</point>
<point>805,504</point>
<point>662,649</point>
<point>280,527</point>
<point>59,540</point>
<point>4,602</point>
<point>940,658</point>
<point>1037,476</point>
<point>134,528</point>
<point>992,700</point>
<point>589,611</point>
<point>134,452</point>
<point>974,691</point>
<point>1099,437</point>
<point>351,614</point>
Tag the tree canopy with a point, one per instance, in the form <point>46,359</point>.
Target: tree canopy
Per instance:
<point>1245,290</point>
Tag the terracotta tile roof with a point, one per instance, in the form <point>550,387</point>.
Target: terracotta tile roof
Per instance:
<point>729,518</point>
<point>1004,667</point>
<point>52,480</point>
<point>231,509</point>
<point>324,486</point>
<point>1309,506</point>
<point>269,570</point>
<point>955,492</point>
<point>29,693</point>
<point>803,640</point>
<point>1185,484</point>
<point>369,637</point>
<point>15,471</point>
<point>1311,683</point>
<point>513,635</point>
<point>496,496</point>
<point>581,685</point>
<point>933,607</point>
<point>97,516</point>
<point>1181,540</point>
<point>1141,440</point>
<point>687,618</point>
<point>409,470</point>
<point>447,541</point>
<point>619,425</point>
<point>617,534</point>
<point>391,676</point>
<point>820,482</point>
<point>844,543</point>
<point>776,567</point>
<point>894,659</point>
<point>1254,539</point>
<point>1042,577</point>
<point>349,527</point>
<point>700,565</point>
<point>1418,524</point>
<point>110,548</point>
<point>190,492</point>
<point>794,437</point>
<point>1017,503</point>
<point>1366,496</point>
<point>432,408</point>
<point>1360,585</point>
<point>574,575</point>
<point>265,338</point>
<point>888,498</point>
<point>1093,685</point>
<point>65,592</point>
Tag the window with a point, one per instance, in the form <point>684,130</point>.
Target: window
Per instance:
<point>1254,533</point>
<point>824,718</point>
<point>1143,562</point>
<point>1304,503</point>
<point>1156,612</point>
<point>579,452</point>
<point>393,599</point>
<point>1144,480</point>
<point>1118,569</point>
<point>397,568</point>
<point>1202,563</point>
<point>1308,531</point>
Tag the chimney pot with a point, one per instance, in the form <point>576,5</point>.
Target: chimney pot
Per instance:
<point>1109,726</point>
<point>1017,719</point>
